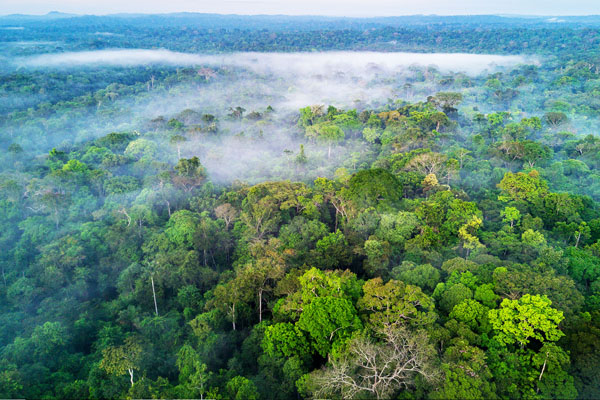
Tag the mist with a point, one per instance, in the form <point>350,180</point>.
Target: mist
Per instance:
<point>258,150</point>
<point>282,63</point>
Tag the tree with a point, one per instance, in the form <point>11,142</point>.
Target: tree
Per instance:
<point>533,238</point>
<point>264,270</point>
<point>266,203</point>
<point>237,112</point>
<point>397,228</point>
<point>182,228</point>
<point>15,148</point>
<point>553,380</point>
<point>314,284</point>
<point>327,132</point>
<point>378,254</point>
<point>10,386</point>
<point>583,232</point>
<point>286,340</point>
<point>228,297</point>
<point>190,174</point>
<point>427,163</point>
<point>332,251</point>
<point>328,320</point>
<point>467,234</point>
<point>430,182</point>
<point>123,359</point>
<point>176,140</point>
<point>516,281</point>
<point>192,372</point>
<point>141,148</point>
<point>424,276</point>
<point>533,153</point>
<point>511,215</point>
<point>371,135</point>
<point>370,369</point>
<point>49,339</point>
<point>530,317</point>
<point>395,304</point>
<point>240,388</point>
<point>467,375</point>
<point>301,157</point>
<point>374,187</point>
<point>227,213</point>
<point>301,236</point>
<point>446,100</point>
<point>451,294</point>
<point>521,186</point>
<point>471,313</point>
<point>555,119</point>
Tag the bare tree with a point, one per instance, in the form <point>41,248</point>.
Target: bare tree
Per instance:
<point>227,213</point>
<point>427,163</point>
<point>318,110</point>
<point>376,370</point>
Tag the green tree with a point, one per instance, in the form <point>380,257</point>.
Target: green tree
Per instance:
<point>326,132</point>
<point>286,340</point>
<point>424,276</point>
<point>192,372</point>
<point>240,388</point>
<point>467,375</point>
<point>395,304</point>
<point>530,317</point>
<point>328,321</point>
<point>521,186</point>
<point>511,215</point>
<point>189,174</point>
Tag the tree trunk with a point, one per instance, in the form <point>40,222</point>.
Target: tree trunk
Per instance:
<point>260,305</point>
<point>154,295</point>
<point>233,315</point>
<point>130,370</point>
<point>329,151</point>
<point>542,373</point>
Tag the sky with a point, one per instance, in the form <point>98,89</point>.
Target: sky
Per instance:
<point>354,8</point>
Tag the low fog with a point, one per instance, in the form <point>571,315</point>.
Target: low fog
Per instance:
<point>248,149</point>
<point>281,63</point>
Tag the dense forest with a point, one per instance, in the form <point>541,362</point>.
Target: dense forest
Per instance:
<point>218,229</point>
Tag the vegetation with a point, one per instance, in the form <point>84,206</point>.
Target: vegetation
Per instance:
<point>444,244</point>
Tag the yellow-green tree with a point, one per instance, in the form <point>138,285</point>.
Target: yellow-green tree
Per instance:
<point>530,317</point>
<point>119,360</point>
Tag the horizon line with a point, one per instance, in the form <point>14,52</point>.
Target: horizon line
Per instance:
<point>503,15</point>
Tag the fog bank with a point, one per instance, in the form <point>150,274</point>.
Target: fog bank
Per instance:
<point>281,63</point>
<point>256,149</point>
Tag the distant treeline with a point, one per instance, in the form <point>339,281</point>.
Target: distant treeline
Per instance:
<point>564,36</point>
